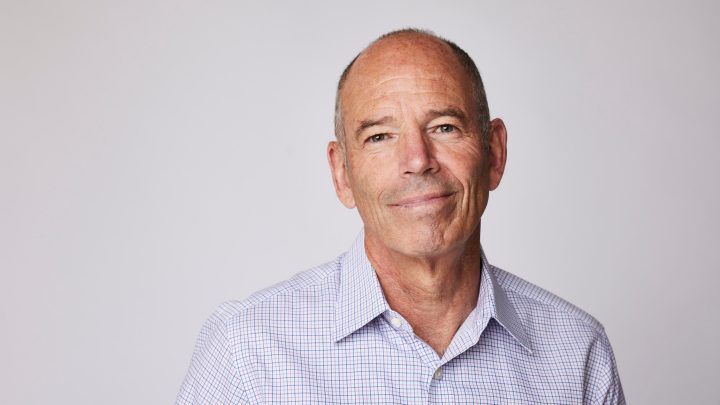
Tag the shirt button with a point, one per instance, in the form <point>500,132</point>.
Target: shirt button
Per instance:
<point>396,322</point>
<point>438,374</point>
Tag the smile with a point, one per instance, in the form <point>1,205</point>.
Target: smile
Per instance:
<point>423,200</point>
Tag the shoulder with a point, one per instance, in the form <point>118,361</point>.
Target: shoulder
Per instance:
<point>556,326</point>
<point>304,290</point>
<point>236,333</point>
<point>535,304</point>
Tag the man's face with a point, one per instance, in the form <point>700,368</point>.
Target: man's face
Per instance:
<point>416,167</point>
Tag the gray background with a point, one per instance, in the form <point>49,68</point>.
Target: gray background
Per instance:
<point>160,157</point>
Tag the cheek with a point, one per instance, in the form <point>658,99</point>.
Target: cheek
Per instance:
<point>366,187</point>
<point>369,176</point>
<point>468,172</point>
<point>465,165</point>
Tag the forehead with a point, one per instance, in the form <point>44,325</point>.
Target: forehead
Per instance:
<point>408,64</point>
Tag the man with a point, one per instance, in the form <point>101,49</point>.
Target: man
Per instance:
<point>413,313</point>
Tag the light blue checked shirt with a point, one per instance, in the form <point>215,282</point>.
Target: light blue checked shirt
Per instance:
<point>327,335</point>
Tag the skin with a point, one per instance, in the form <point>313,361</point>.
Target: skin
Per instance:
<point>413,164</point>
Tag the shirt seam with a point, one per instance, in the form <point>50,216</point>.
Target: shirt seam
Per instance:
<point>241,392</point>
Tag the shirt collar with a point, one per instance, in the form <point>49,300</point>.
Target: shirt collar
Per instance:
<point>360,298</point>
<point>493,300</point>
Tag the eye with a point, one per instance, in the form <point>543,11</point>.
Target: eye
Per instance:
<point>445,128</point>
<point>377,138</point>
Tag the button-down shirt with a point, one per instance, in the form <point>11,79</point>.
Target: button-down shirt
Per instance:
<point>328,335</point>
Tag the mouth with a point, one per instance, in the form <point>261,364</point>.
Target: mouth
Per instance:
<point>423,200</point>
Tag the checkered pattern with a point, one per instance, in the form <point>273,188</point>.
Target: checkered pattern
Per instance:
<point>328,336</point>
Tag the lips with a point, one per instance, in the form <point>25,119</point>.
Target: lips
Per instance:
<point>422,199</point>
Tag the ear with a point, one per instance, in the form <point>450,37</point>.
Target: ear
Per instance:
<point>497,152</point>
<point>336,158</point>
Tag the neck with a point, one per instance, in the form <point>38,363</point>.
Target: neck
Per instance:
<point>435,294</point>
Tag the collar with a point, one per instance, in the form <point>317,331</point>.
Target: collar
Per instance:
<point>493,300</point>
<point>360,298</point>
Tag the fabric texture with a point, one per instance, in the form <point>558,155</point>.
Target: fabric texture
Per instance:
<point>327,335</point>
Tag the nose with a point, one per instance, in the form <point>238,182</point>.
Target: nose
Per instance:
<point>416,153</point>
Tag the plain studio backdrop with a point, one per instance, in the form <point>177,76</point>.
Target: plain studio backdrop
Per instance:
<point>160,157</point>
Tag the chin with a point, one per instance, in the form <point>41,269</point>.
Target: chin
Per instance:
<point>426,243</point>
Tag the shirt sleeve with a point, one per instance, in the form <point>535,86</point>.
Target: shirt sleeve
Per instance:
<point>602,384</point>
<point>213,377</point>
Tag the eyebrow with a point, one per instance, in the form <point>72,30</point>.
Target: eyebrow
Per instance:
<point>365,124</point>
<point>449,112</point>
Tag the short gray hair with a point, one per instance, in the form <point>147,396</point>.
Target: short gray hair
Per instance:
<point>482,110</point>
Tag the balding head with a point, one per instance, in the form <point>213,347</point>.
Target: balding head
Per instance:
<point>422,47</point>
